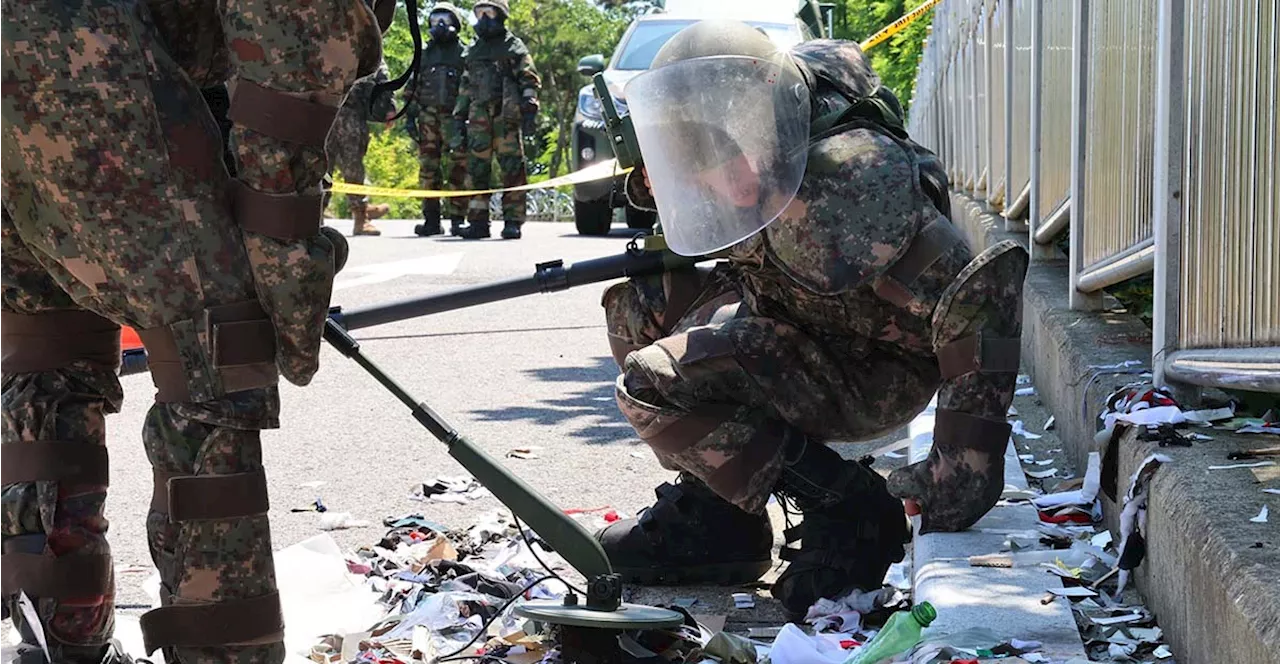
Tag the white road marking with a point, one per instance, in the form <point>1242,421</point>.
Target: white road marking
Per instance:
<point>376,273</point>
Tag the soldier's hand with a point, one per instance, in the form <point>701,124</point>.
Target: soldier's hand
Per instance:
<point>529,123</point>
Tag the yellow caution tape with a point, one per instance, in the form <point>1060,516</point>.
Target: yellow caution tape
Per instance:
<point>600,171</point>
<point>898,25</point>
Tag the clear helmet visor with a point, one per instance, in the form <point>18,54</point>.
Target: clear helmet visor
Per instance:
<point>725,141</point>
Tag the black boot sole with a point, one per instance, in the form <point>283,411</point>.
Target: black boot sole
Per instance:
<point>714,574</point>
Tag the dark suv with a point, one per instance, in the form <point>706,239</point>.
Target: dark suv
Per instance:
<point>594,202</point>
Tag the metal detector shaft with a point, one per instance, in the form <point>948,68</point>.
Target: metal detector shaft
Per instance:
<point>561,532</point>
<point>547,278</point>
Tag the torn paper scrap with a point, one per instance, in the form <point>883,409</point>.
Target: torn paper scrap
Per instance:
<point>1256,464</point>
<point>1044,462</point>
<point>1025,391</point>
<point>1101,540</point>
<point>1042,474</point>
<point>744,600</point>
<point>1020,430</point>
<point>1207,416</point>
<point>1262,516</point>
<point>1027,458</point>
<point>1118,620</point>
<point>1157,415</point>
<point>1163,652</point>
<point>1085,495</point>
<point>1274,492</point>
<point>1049,423</point>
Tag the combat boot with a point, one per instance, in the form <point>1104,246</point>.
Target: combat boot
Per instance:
<point>475,230</point>
<point>511,230</point>
<point>852,531</point>
<point>361,225</point>
<point>689,536</point>
<point>377,211</point>
<point>430,219</point>
<point>456,227</point>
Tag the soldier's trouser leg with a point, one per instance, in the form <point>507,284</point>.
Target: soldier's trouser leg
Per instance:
<point>59,384</point>
<point>744,403</point>
<point>455,168</point>
<point>480,129</point>
<point>510,152</point>
<point>125,209</point>
<point>347,158</point>
<point>430,143</point>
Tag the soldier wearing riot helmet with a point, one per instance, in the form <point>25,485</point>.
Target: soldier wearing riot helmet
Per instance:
<point>847,301</point>
<point>498,100</point>
<point>431,97</point>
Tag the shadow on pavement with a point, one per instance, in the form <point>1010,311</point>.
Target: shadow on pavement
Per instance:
<point>591,408</point>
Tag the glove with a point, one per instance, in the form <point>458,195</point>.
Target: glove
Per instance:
<point>411,125</point>
<point>529,122</point>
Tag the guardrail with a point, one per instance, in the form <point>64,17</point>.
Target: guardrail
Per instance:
<point>1145,128</point>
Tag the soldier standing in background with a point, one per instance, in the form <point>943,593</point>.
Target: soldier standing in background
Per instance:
<point>431,97</point>
<point>498,99</point>
<point>349,141</point>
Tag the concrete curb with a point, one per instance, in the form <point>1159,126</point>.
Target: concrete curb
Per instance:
<point>1003,600</point>
<point>1215,595</point>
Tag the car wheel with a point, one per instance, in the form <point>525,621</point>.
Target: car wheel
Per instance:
<point>592,217</point>
<point>640,219</point>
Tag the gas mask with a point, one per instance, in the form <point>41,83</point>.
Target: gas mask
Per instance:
<point>490,22</point>
<point>443,27</point>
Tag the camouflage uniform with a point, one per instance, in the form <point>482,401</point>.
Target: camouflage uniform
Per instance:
<point>432,96</point>
<point>499,85</point>
<point>118,209</point>
<point>838,322</point>
<point>348,142</point>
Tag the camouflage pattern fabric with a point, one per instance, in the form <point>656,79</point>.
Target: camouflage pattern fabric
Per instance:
<point>435,132</point>
<point>432,98</point>
<point>499,82</point>
<point>804,323</point>
<point>348,140</point>
<point>115,202</point>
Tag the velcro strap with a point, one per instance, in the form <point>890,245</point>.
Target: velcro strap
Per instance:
<point>243,351</point>
<point>280,115</point>
<point>929,245</point>
<point>682,289</point>
<point>788,554</point>
<point>281,216</point>
<point>53,461</point>
<point>206,497</point>
<point>955,430</point>
<point>64,577</point>
<point>978,352</point>
<point>685,431</point>
<point>732,479</point>
<point>229,622</point>
<point>55,339</point>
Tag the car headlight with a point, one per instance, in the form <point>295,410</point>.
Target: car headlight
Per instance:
<point>589,106</point>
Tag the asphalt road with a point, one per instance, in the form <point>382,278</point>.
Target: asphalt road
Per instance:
<point>534,371</point>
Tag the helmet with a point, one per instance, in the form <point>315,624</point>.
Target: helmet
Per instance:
<point>502,5</point>
<point>722,119</point>
<point>451,8</point>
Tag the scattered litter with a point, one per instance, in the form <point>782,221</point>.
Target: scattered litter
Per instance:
<point>1102,540</point>
<point>1050,423</point>
<point>1208,416</point>
<point>1024,379</point>
<point>767,633</point>
<point>1272,491</point>
<point>1035,657</point>
<point>1133,518</point>
<point>744,601</point>
<point>1121,649</point>
<point>1013,412</point>
<point>895,455</point>
<point>1020,430</point>
<point>312,485</point>
<point>1118,620</point>
<point>1262,516</point>
<point>1044,462</point>
<point>460,490</point>
<point>1027,458</point>
<point>1258,428</point>
<point>1257,464</point>
<point>1239,455</point>
<point>316,505</point>
<point>529,452</point>
<point>1072,591</point>
<point>1042,474</point>
<point>1025,391</point>
<point>1163,652</point>
<point>636,453</point>
<point>340,520</point>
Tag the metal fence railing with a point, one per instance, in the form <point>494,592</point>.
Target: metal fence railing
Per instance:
<point>1154,141</point>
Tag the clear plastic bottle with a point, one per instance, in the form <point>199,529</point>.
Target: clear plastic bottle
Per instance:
<point>900,633</point>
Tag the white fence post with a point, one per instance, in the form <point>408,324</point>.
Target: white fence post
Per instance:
<point>1166,192</point>
<point>1079,125</point>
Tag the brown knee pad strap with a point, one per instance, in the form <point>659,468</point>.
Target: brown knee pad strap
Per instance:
<point>240,354</point>
<point>53,461</point>
<point>230,622</point>
<point>26,566</point>
<point>979,352</point>
<point>56,339</point>
<point>209,497</point>
<point>281,115</point>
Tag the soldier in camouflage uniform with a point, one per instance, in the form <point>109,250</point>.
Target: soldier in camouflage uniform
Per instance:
<point>349,141</point>
<point>847,301</point>
<point>431,98</point>
<point>498,99</point>
<point>118,210</point>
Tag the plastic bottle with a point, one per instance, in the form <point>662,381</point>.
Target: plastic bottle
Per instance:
<point>900,633</point>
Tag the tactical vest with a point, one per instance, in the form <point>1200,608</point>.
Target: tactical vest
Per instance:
<point>439,74</point>
<point>491,67</point>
